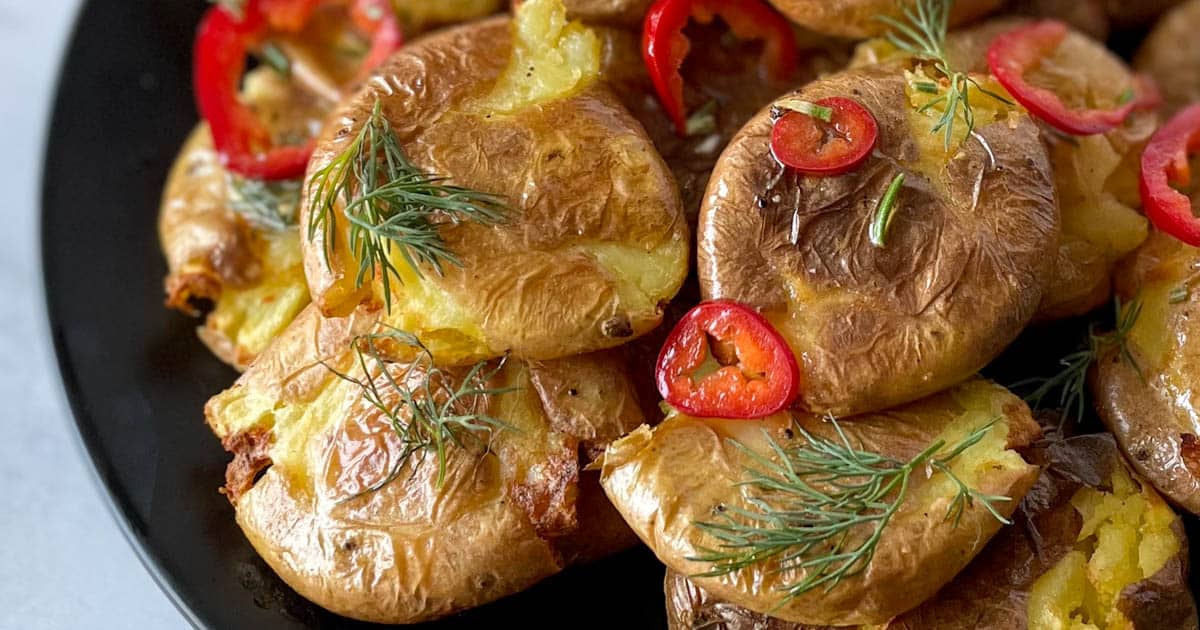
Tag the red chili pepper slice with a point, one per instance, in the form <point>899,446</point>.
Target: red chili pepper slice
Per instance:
<point>1165,162</point>
<point>664,46</point>
<point>1013,54</point>
<point>243,142</point>
<point>750,373</point>
<point>807,143</point>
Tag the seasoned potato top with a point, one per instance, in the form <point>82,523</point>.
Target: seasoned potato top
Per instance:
<point>687,470</point>
<point>960,275</point>
<point>594,240</point>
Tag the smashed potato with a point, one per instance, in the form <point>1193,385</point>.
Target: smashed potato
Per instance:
<point>859,18</point>
<point>1170,54</point>
<point>595,242</point>
<point>962,272</point>
<point>687,470</point>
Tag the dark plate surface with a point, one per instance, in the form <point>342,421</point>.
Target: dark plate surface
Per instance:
<point>137,377</point>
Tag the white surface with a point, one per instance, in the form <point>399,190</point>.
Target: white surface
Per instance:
<point>63,562</point>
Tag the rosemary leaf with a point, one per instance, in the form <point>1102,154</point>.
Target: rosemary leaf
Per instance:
<point>885,211</point>
<point>823,507</point>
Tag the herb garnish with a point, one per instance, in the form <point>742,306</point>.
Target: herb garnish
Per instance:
<point>1071,382</point>
<point>266,204</point>
<point>812,110</point>
<point>430,414</point>
<point>922,34</point>
<point>812,500</point>
<point>885,211</point>
<point>390,204</point>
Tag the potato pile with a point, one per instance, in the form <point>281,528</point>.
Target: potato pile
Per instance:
<point>561,276</point>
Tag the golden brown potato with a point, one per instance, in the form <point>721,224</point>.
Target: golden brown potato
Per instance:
<point>960,276</point>
<point>1171,56</point>
<point>334,490</point>
<point>723,78</point>
<point>1086,510</point>
<point>859,18</point>
<point>595,241</point>
<point>1151,406</point>
<point>624,13</point>
<point>420,15</point>
<point>233,242</point>
<point>689,470</point>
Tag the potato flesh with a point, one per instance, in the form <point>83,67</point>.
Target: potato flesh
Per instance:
<point>1126,537</point>
<point>551,58</point>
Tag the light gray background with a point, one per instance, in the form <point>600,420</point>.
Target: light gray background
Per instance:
<point>63,561</point>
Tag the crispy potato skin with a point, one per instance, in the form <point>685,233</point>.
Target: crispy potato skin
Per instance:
<point>663,481</point>
<point>990,594</point>
<point>580,170</point>
<point>1153,419</point>
<point>952,287</point>
<point>412,550</point>
<point>1171,56</point>
<point>857,18</point>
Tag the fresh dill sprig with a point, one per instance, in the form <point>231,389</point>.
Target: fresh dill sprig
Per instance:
<point>391,207</point>
<point>922,34</point>
<point>426,409</point>
<point>823,507</point>
<point>271,205</point>
<point>1071,381</point>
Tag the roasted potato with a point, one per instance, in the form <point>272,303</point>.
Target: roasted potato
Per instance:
<point>1094,176</point>
<point>1085,16</point>
<point>595,241</point>
<point>419,15</point>
<point>1171,56</point>
<point>1148,397</point>
<point>1091,544</point>
<point>333,488</point>
<point>689,470</point>
<point>623,13</point>
<point>962,273</point>
<point>233,242</point>
<point>860,18</point>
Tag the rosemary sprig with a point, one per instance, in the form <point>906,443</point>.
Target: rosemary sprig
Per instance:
<point>811,503</point>
<point>885,211</point>
<point>1071,381</point>
<point>922,34</point>
<point>432,415</point>
<point>269,205</point>
<point>391,206</point>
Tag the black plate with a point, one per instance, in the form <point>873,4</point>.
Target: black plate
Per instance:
<point>137,377</point>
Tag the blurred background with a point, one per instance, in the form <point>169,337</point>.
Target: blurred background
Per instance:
<point>63,561</point>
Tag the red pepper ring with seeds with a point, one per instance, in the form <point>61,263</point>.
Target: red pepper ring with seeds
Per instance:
<point>1012,55</point>
<point>1165,162</point>
<point>724,360</point>
<point>225,38</point>
<point>829,137</point>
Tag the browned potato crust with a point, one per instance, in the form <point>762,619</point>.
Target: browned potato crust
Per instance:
<point>663,481</point>
<point>597,240</point>
<point>1154,413</point>
<point>1171,56</point>
<point>992,592</point>
<point>874,327</point>
<point>858,18</point>
<point>308,448</point>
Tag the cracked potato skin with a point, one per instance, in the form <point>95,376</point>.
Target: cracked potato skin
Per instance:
<point>589,193</point>
<point>308,449</point>
<point>877,327</point>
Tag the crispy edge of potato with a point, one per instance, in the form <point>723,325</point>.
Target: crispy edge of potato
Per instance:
<point>659,479</point>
